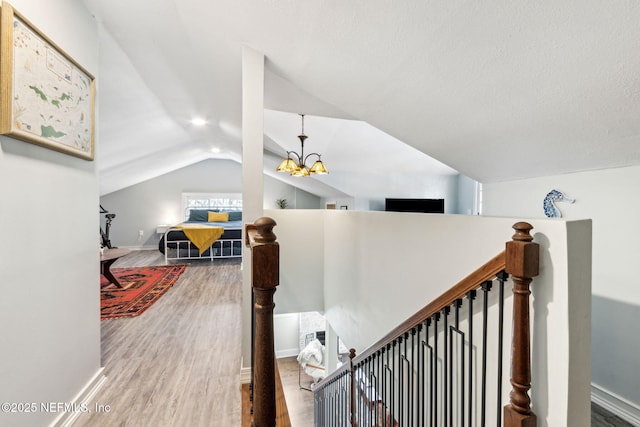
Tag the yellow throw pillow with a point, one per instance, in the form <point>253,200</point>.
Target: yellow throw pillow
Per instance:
<point>218,217</point>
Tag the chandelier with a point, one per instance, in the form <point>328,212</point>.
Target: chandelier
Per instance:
<point>298,166</point>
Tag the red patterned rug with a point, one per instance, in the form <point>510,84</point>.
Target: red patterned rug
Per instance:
<point>141,287</point>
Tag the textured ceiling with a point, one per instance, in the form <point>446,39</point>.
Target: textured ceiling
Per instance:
<point>496,90</point>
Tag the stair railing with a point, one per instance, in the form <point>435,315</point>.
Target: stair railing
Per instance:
<point>265,270</point>
<point>433,368</point>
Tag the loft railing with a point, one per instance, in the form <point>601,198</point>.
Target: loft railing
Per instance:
<point>265,270</point>
<point>444,365</point>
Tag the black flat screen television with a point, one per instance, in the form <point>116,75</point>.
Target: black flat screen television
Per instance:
<point>414,205</point>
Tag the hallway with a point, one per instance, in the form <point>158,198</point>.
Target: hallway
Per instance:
<point>177,363</point>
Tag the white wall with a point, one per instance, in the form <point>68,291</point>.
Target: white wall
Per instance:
<point>467,193</point>
<point>296,198</point>
<point>610,198</point>
<point>159,201</point>
<point>49,258</point>
<point>301,238</point>
<point>380,267</point>
<point>286,334</point>
<point>454,189</point>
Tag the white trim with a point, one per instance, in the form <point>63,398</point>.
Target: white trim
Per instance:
<point>245,375</point>
<point>66,419</point>
<point>141,248</point>
<point>615,404</point>
<point>287,352</point>
<point>210,201</point>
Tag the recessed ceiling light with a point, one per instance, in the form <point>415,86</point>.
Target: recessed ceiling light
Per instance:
<point>197,121</point>
<point>215,150</point>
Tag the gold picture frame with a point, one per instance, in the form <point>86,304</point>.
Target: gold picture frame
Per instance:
<point>46,97</point>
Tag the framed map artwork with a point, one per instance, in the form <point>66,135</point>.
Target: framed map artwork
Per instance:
<point>46,97</point>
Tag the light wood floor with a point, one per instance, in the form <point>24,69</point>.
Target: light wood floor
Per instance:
<point>299,402</point>
<point>178,363</point>
<point>600,417</point>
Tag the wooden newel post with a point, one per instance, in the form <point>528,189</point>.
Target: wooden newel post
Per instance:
<point>522,262</point>
<point>265,266</point>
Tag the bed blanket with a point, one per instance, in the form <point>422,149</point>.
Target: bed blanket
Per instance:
<point>201,235</point>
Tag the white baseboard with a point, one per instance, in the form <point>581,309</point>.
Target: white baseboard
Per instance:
<point>288,352</point>
<point>615,404</point>
<point>82,399</point>
<point>245,375</point>
<point>140,248</point>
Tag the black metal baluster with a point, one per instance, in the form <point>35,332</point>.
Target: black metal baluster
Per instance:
<point>384,384</point>
<point>340,403</point>
<point>360,397</point>
<point>486,287</point>
<point>337,399</point>
<point>412,402</point>
<point>362,390</point>
<point>405,382</point>
<point>346,401</point>
<point>323,404</point>
<point>330,404</point>
<point>502,278</point>
<point>371,389</point>
<point>365,393</point>
<point>445,361</point>
<point>407,387</point>
<point>459,371</point>
<point>388,408</point>
<point>400,380</point>
<point>362,416</point>
<point>421,379</point>
<point>376,373</point>
<point>450,332</point>
<point>373,402</point>
<point>462,369</point>
<point>436,318</point>
<point>333,404</point>
<point>392,407</point>
<point>471,295</point>
<point>430,361</point>
<point>386,387</point>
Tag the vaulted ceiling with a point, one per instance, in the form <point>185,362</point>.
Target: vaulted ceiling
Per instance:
<point>393,91</point>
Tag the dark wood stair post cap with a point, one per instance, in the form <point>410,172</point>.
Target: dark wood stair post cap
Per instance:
<point>522,258</point>
<point>264,227</point>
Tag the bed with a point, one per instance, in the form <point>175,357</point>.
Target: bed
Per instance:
<point>206,234</point>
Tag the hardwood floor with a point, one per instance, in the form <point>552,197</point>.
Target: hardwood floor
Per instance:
<point>600,417</point>
<point>178,363</point>
<point>299,402</point>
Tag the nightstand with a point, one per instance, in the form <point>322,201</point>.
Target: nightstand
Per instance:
<point>162,228</point>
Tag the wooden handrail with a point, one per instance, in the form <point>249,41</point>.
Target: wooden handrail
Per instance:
<point>520,259</point>
<point>473,281</point>
<point>265,271</point>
